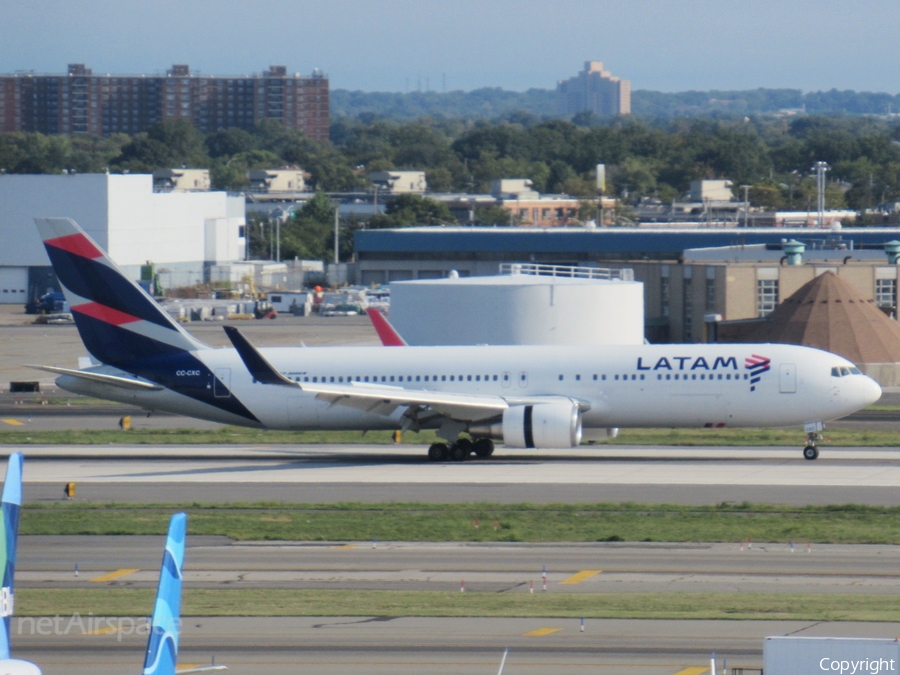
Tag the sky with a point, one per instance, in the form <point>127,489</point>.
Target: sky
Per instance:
<point>405,45</point>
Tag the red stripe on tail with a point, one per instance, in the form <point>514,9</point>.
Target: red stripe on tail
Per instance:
<point>97,311</point>
<point>77,244</point>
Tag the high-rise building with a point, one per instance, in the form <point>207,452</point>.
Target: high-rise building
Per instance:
<point>596,90</point>
<point>83,103</point>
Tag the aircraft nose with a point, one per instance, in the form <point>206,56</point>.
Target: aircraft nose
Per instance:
<point>871,391</point>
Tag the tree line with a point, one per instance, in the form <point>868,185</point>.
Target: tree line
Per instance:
<point>644,160</point>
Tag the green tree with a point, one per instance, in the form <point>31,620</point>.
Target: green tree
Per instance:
<point>408,209</point>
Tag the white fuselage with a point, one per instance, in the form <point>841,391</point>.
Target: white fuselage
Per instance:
<point>677,385</point>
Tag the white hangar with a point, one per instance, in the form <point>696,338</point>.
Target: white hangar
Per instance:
<point>182,233</point>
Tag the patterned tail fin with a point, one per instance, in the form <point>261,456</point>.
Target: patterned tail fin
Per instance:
<point>119,323</point>
<point>162,646</point>
<point>12,502</point>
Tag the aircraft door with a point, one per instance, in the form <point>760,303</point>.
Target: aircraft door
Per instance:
<point>787,378</point>
<point>523,379</point>
<point>222,383</point>
<point>507,378</point>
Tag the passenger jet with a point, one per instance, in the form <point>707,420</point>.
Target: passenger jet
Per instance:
<point>525,396</point>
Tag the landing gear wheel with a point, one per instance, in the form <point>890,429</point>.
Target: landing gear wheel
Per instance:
<point>461,450</point>
<point>810,452</point>
<point>438,452</point>
<point>483,447</point>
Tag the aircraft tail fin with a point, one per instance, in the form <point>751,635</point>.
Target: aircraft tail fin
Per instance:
<point>11,504</point>
<point>165,626</point>
<point>386,332</point>
<point>117,320</point>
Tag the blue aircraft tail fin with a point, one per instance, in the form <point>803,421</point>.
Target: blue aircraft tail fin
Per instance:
<point>11,504</point>
<point>165,627</point>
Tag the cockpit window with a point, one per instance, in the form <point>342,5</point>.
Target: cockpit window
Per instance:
<point>856,371</point>
<point>845,372</point>
<point>841,371</point>
<point>835,372</point>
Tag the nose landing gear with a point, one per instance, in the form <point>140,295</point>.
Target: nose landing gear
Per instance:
<point>811,451</point>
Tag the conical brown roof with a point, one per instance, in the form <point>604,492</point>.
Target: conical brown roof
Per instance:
<point>831,314</point>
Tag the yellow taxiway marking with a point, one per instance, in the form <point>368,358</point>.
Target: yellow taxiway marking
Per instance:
<point>114,575</point>
<point>693,670</point>
<point>581,576</point>
<point>541,632</point>
<point>11,422</point>
<point>102,631</point>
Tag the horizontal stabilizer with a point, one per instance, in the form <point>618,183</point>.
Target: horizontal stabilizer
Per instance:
<point>114,380</point>
<point>261,370</point>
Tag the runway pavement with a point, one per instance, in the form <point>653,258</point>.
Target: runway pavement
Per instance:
<point>379,473</point>
<point>217,562</point>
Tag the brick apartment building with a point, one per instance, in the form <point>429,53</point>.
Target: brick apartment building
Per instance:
<point>80,102</point>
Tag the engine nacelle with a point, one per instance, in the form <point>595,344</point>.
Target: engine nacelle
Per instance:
<point>545,425</point>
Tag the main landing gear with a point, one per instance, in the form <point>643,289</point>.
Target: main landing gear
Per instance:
<point>460,450</point>
<point>811,451</point>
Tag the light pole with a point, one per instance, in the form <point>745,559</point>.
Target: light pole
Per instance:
<point>746,189</point>
<point>337,208</point>
<point>820,168</point>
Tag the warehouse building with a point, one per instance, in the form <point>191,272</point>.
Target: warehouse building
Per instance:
<point>182,233</point>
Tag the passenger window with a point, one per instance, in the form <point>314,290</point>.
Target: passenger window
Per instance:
<point>720,376</point>
<point>659,376</point>
<point>392,378</point>
<point>634,377</point>
<point>642,376</point>
<point>676,376</point>
<point>468,378</point>
<point>452,378</point>
<point>443,378</point>
<point>603,378</point>
<point>728,376</point>
<point>315,379</point>
<point>417,378</point>
<point>495,378</point>
<point>595,378</point>
<point>331,379</point>
<point>577,378</point>
<point>668,377</point>
<point>617,377</point>
<point>561,378</point>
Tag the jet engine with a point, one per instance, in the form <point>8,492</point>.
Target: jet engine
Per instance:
<point>546,425</point>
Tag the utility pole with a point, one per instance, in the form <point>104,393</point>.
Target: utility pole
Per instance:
<point>278,240</point>
<point>337,208</point>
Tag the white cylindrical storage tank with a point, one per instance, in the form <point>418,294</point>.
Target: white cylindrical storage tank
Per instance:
<point>518,309</point>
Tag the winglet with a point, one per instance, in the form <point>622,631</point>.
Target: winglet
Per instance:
<point>386,332</point>
<point>12,502</point>
<point>165,627</point>
<point>261,370</point>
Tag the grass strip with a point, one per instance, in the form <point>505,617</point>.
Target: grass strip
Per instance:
<point>849,524</point>
<point>239,435</point>
<point>286,602</point>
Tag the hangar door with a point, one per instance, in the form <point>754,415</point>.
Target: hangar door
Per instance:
<point>13,285</point>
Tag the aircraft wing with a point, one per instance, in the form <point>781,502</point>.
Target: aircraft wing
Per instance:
<point>384,399</point>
